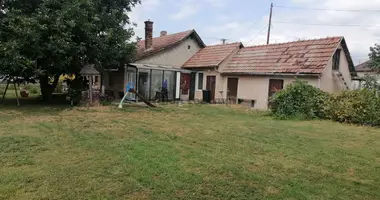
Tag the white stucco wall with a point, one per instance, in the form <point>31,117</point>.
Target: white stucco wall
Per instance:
<point>331,84</point>
<point>257,88</point>
<point>221,82</point>
<point>219,85</point>
<point>175,56</point>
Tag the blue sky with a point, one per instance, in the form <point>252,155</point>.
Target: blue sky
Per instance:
<point>246,20</point>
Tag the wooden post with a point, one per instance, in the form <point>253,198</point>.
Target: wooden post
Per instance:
<point>5,92</point>
<point>18,102</point>
<point>90,87</point>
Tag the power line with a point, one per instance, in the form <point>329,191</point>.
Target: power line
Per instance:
<point>316,24</point>
<point>325,9</point>
<point>257,21</point>
<point>257,34</point>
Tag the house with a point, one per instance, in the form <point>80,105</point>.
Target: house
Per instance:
<point>207,62</point>
<point>186,66</point>
<point>158,62</point>
<point>255,73</point>
<point>363,69</point>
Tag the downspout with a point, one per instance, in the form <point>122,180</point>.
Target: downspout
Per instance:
<point>319,81</point>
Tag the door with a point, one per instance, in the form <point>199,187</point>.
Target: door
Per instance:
<point>211,82</point>
<point>275,85</point>
<point>232,87</point>
<point>192,86</point>
<point>185,83</point>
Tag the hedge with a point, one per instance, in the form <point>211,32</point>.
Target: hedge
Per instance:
<point>300,100</point>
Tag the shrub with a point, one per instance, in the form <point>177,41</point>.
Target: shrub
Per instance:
<point>355,106</point>
<point>299,100</point>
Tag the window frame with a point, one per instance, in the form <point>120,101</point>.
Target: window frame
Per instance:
<point>197,81</point>
<point>336,60</point>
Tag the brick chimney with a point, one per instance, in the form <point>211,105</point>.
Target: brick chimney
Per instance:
<point>163,33</point>
<point>148,34</point>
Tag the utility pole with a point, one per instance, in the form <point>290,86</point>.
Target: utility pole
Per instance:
<point>223,40</point>
<point>270,22</point>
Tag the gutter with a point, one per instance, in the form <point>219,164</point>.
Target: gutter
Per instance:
<point>268,74</point>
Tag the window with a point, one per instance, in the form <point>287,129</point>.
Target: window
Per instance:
<point>200,81</point>
<point>188,47</point>
<point>275,85</point>
<point>336,60</point>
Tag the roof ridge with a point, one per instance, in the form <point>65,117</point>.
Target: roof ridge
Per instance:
<point>191,30</point>
<point>298,41</point>
<point>233,43</point>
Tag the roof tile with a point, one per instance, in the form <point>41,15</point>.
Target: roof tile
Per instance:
<point>161,43</point>
<point>211,56</point>
<point>305,56</point>
<point>363,67</point>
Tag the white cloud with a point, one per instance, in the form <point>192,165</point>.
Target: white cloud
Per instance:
<point>141,13</point>
<point>359,39</point>
<point>217,3</point>
<point>187,10</point>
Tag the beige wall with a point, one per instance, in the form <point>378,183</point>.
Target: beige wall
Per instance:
<point>331,84</point>
<point>219,85</point>
<point>257,88</point>
<point>176,56</point>
<point>221,82</point>
<point>363,74</point>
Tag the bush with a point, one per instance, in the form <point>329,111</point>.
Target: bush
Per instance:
<point>355,106</point>
<point>299,100</point>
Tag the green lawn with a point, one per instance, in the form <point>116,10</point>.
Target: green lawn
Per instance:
<point>189,152</point>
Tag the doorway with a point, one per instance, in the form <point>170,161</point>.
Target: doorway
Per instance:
<point>232,88</point>
<point>210,85</point>
<point>192,86</point>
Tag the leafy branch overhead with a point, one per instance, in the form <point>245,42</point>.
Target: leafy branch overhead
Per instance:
<point>374,56</point>
<point>40,38</point>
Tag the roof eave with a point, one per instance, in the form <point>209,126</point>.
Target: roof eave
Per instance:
<point>271,74</point>
<point>348,56</point>
<point>198,66</point>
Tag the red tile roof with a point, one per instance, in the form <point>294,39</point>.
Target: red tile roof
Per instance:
<point>211,56</point>
<point>363,67</point>
<point>164,42</point>
<point>306,56</point>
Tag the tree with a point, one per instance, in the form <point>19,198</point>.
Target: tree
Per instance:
<point>374,56</point>
<point>47,38</point>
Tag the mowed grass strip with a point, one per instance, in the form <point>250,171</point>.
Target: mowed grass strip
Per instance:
<point>182,152</point>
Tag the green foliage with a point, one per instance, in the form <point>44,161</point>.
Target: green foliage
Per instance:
<point>75,90</point>
<point>299,100</point>
<point>371,82</point>
<point>355,106</point>
<point>105,102</point>
<point>40,38</point>
<point>374,56</point>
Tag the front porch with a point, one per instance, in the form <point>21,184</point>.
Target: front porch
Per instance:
<point>149,80</point>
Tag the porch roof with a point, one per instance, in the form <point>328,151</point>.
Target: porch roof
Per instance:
<point>159,67</point>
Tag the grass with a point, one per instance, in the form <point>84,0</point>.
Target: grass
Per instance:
<point>11,94</point>
<point>189,152</point>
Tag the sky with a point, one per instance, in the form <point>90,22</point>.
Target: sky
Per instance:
<point>246,21</point>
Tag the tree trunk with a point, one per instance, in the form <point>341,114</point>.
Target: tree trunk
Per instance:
<point>47,88</point>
